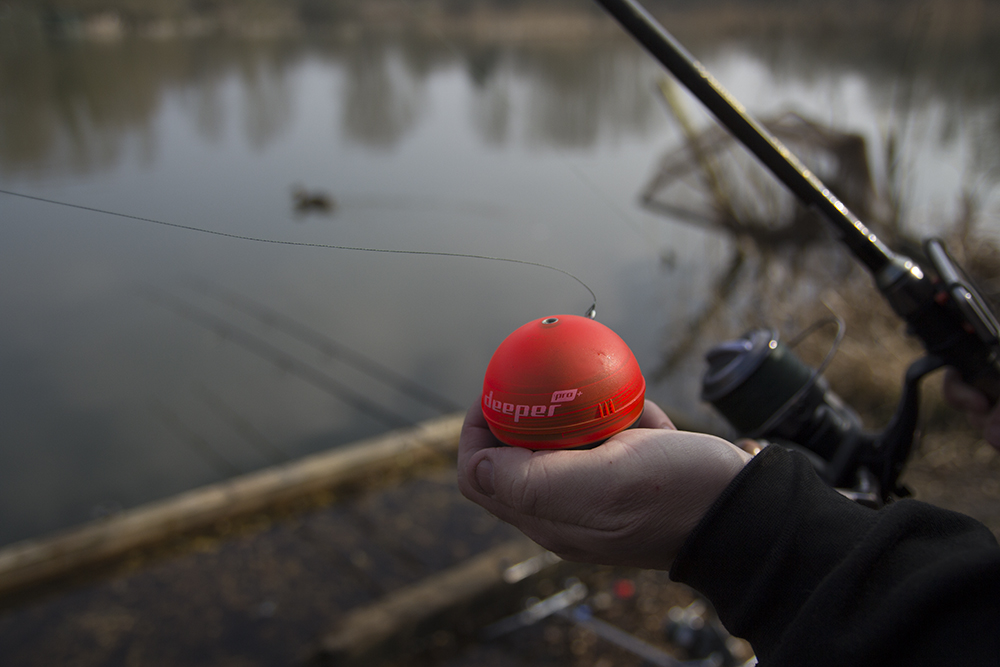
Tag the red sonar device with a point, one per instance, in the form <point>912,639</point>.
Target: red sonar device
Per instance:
<point>562,382</point>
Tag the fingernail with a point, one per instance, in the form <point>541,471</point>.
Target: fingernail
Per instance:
<point>484,477</point>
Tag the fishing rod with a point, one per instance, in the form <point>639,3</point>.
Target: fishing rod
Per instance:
<point>942,307</point>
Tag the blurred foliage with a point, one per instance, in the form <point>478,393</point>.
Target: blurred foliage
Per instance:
<point>61,13</point>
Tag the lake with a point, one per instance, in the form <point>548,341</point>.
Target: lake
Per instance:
<point>139,359</point>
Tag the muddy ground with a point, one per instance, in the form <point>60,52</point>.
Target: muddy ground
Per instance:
<point>265,592</point>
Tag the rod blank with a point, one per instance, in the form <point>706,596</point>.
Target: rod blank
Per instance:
<point>769,150</point>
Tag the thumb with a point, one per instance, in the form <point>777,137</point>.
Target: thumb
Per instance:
<point>490,476</point>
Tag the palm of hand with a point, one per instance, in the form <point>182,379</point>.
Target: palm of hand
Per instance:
<point>631,501</point>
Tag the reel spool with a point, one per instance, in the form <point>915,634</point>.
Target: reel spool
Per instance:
<point>561,382</point>
<point>765,391</point>
<point>750,380</point>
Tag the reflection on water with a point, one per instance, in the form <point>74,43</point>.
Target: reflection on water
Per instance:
<point>536,151</point>
<point>934,79</point>
<point>383,96</point>
<point>80,107</point>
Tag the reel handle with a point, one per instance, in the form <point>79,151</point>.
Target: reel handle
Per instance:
<point>977,316</point>
<point>945,310</point>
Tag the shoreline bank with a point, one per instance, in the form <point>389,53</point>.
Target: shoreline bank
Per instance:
<point>939,20</point>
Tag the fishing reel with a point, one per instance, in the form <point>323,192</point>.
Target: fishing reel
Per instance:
<point>943,309</point>
<point>766,393</point>
<point>770,396</point>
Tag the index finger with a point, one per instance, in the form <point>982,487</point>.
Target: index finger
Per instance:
<point>654,417</point>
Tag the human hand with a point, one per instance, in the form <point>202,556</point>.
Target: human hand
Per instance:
<point>974,404</point>
<point>631,501</point>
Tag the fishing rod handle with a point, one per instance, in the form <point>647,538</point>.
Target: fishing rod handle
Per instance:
<point>935,309</point>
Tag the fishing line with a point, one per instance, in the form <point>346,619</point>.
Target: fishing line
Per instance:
<point>330,347</point>
<point>591,312</point>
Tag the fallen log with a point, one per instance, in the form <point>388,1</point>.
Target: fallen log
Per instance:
<point>34,562</point>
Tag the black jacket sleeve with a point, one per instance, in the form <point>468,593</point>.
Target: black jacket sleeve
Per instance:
<point>811,578</point>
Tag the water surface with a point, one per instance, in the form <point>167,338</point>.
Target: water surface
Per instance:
<point>138,360</point>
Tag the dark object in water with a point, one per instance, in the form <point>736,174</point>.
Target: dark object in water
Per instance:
<point>312,202</point>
